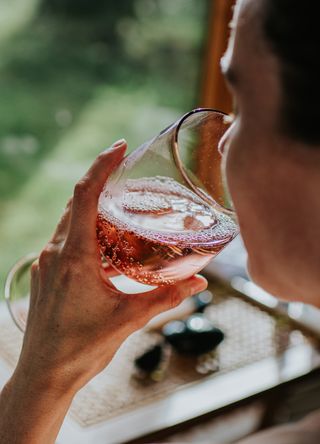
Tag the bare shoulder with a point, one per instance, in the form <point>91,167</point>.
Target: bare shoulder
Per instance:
<point>304,431</point>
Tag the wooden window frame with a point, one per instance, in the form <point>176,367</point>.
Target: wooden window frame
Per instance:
<point>214,92</point>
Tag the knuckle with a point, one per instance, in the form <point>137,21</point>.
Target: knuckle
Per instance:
<point>46,256</point>
<point>102,157</point>
<point>74,263</point>
<point>175,298</point>
<point>82,188</point>
<point>69,203</point>
<point>35,267</point>
<point>70,259</point>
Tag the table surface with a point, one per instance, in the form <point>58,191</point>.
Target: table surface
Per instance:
<point>260,352</point>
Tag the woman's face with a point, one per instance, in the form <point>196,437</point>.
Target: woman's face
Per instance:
<point>271,178</point>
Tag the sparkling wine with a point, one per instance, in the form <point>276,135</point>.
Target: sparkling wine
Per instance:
<point>157,231</point>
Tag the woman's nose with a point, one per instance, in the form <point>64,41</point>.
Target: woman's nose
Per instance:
<point>223,143</point>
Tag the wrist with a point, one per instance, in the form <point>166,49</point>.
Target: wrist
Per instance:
<point>33,407</point>
<point>50,381</point>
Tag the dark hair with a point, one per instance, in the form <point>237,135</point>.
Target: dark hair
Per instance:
<point>292,30</point>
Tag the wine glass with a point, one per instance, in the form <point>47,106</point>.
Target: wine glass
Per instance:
<point>163,214</point>
<point>17,290</point>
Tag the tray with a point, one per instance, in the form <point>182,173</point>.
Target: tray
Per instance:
<point>261,350</point>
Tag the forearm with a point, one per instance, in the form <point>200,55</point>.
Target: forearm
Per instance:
<point>30,412</point>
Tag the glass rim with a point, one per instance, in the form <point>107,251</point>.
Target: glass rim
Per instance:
<point>179,164</point>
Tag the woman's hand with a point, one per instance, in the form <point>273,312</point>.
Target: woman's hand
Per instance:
<point>77,318</point>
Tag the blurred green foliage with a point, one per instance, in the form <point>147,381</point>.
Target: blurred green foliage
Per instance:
<point>74,77</point>
<point>88,8</point>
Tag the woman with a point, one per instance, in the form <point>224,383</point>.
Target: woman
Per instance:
<point>272,160</point>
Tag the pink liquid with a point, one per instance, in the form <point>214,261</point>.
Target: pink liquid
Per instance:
<point>158,232</point>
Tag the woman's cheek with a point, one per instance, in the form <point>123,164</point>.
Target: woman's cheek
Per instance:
<point>233,169</point>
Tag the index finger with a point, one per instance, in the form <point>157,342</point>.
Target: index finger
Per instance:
<point>82,231</point>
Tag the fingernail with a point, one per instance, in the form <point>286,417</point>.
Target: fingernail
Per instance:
<point>118,143</point>
<point>199,284</point>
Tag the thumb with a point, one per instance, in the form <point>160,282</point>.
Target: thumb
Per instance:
<point>166,297</point>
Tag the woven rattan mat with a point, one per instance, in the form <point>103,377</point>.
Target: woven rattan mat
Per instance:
<point>251,335</point>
